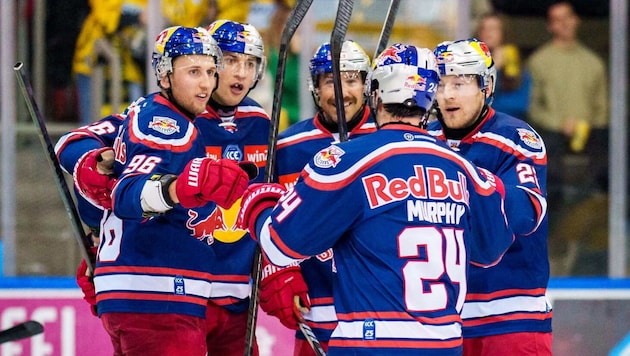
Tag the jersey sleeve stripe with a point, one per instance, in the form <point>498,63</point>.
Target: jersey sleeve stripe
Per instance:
<point>182,144</point>
<point>511,147</point>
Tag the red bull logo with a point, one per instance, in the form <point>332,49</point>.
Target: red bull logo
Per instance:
<point>205,228</point>
<point>529,138</point>
<point>329,157</point>
<point>391,54</point>
<point>164,125</point>
<point>415,82</point>
<point>426,183</point>
<point>445,57</point>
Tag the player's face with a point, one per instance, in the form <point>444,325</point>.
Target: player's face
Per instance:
<point>236,78</point>
<point>352,88</point>
<point>460,100</point>
<point>192,81</point>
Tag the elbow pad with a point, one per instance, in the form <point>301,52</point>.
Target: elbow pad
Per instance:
<point>154,197</point>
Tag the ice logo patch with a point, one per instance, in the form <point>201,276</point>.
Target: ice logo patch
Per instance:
<point>178,285</point>
<point>233,152</point>
<point>369,329</point>
<point>329,157</point>
<point>164,125</point>
<point>408,136</point>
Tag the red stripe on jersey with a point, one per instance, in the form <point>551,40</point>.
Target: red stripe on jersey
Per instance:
<point>161,297</point>
<point>508,317</point>
<point>477,297</point>
<point>447,319</point>
<point>153,271</point>
<point>396,344</point>
<point>280,245</point>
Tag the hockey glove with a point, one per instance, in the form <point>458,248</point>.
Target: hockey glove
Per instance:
<point>256,199</point>
<point>93,176</point>
<point>85,282</point>
<point>279,288</point>
<point>208,180</point>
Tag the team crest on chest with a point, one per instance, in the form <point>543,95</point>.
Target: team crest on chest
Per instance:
<point>529,138</point>
<point>329,157</point>
<point>164,125</point>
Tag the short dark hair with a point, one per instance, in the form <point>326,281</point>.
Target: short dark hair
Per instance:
<point>402,110</point>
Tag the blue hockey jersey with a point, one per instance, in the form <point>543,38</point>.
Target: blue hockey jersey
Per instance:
<point>405,216</point>
<point>240,135</point>
<point>511,296</point>
<point>296,146</point>
<point>153,264</point>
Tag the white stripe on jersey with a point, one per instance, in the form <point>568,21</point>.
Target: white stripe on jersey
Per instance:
<point>236,290</point>
<point>443,151</point>
<point>252,109</point>
<point>147,283</point>
<point>159,140</point>
<point>321,314</point>
<point>507,142</point>
<point>399,330</point>
<point>300,135</point>
<point>275,256</point>
<point>504,306</point>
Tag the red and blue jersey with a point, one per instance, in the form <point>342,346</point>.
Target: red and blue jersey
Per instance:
<point>405,216</point>
<point>241,135</point>
<point>510,297</point>
<point>153,264</point>
<point>296,147</point>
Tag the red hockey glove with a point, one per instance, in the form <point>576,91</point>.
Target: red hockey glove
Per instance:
<point>278,289</point>
<point>257,197</point>
<point>93,176</point>
<point>85,282</point>
<point>205,179</point>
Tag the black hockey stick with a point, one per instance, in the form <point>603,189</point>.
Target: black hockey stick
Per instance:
<point>306,330</point>
<point>342,20</point>
<point>21,331</point>
<point>293,21</point>
<point>83,239</point>
<point>387,27</point>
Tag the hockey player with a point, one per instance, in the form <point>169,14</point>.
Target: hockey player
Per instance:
<point>296,146</point>
<point>152,278</point>
<point>506,311</point>
<point>402,250</point>
<point>233,127</point>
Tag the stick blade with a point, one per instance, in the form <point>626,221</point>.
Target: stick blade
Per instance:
<point>21,331</point>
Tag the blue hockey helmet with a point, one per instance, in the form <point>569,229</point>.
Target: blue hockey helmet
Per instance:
<point>177,41</point>
<point>351,58</point>
<point>232,36</point>
<point>404,74</point>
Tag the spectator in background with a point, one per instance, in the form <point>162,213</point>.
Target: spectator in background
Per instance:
<point>569,108</point>
<point>513,83</point>
<point>191,13</point>
<point>102,21</point>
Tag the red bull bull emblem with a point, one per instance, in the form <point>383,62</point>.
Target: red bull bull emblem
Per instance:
<point>391,53</point>
<point>164,125</point>
<point>204,229</point>
<point>445,57</point>
<point>529,138</point>
<point>329,157</point>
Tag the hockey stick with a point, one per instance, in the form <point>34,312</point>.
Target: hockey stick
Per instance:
<point>387,27</point>
<point>21,331</point>
<point>293,21</point>
<point>83,239</point>
<point>306,330</point>
<point>344,12</point>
